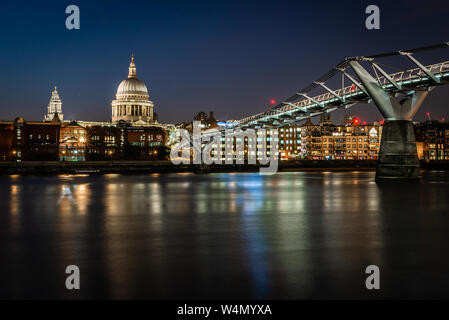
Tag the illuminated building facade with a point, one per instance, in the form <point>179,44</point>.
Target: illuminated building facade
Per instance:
<point>104,143</point>
<point>143,143</point>
<point>22,140</point>
<point>433,140</point>
<point>324,141</point>
<point>207,122</point>
<point>72,142</point>
<point>350,141</point>
<point>28,140</point>
<point>290,142</point>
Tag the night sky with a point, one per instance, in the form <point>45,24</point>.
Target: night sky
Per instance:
<point>230,57</point>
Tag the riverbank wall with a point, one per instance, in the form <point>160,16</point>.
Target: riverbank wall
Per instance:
<point>136,167</point>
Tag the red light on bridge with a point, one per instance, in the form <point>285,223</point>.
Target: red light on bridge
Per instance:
<point>356,121</point>
<point>353,88</point>
<point>382,122</point>
<point>272,101</point>
<point>364,123</point>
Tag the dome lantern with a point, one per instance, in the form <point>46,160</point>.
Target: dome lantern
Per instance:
<point>132,68</point>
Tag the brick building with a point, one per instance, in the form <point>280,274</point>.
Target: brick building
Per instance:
<point>22,140</point>
<point>326,141</point>
<point>432,140</point>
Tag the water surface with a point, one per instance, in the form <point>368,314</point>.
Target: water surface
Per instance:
<point>293,235</point>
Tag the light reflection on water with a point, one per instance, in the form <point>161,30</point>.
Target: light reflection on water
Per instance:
<point>291,235</point>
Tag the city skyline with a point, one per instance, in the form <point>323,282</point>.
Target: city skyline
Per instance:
<point>188,67</point>
<point>224,158</point>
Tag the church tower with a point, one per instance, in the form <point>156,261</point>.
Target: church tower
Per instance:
<point>54,106</point>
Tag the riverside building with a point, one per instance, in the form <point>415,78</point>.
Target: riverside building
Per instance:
<point>432,140</point>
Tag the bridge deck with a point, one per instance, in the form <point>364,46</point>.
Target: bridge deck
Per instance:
<point>292,112</point>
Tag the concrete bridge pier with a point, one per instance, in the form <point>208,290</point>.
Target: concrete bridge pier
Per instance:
<point>398,157</point>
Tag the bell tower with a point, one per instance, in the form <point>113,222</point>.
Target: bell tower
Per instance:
<point>54,106</point>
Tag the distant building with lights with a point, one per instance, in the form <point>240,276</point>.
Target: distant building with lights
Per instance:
<point>72,142</point>
<point>350,140</point>
<point>432,140</point>
<point>54,106</point>
<point>29,141</point>
<point>326,141</point>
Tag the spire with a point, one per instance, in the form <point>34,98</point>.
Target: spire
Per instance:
<point>132,68</point>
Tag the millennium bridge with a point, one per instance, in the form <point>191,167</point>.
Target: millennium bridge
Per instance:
<point>398,96</point>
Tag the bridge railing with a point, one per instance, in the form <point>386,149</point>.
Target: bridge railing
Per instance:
<point>348,91</point>
<point>398,77</point>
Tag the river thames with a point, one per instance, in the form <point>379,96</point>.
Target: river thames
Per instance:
<point>293,235</point>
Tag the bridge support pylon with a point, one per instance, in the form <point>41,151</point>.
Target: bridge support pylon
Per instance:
<point>398,157</point>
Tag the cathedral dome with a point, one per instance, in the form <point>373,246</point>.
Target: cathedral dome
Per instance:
<point>132,102</point>
<point>132,87</point>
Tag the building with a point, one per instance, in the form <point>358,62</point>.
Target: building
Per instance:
<point>123,142</point>
<point>290,142</point>
<point>114,142</point>
<point>348,141</point>
<point>7,143</point>
<point>104,142</point>
<point>22,140</point>
<point>207,122</point>
<point>72,142</point>
<point>39,140</point>
<point>54,106</point>
<point>143,143</point>
<point>324,141</point>
<point>132,102</point>
<point>432,140</point>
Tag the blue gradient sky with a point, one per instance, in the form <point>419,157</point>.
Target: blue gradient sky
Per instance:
<point>230,57</point>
